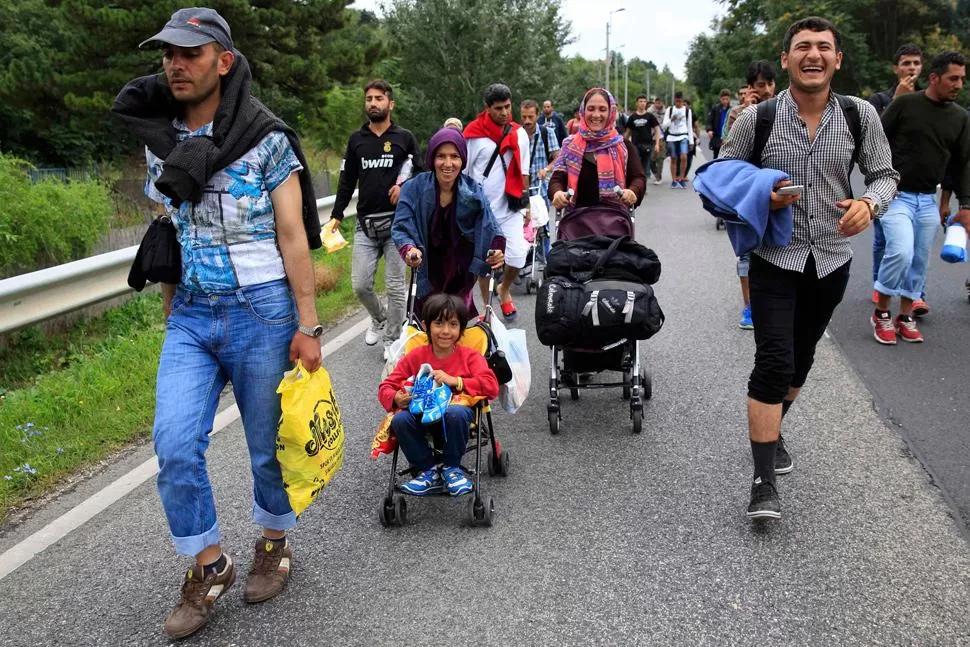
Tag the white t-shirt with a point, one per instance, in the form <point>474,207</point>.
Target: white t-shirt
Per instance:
<point>677,124</point>
<point>480,150</point>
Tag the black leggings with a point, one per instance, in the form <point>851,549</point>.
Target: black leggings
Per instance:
<point>790,312</point>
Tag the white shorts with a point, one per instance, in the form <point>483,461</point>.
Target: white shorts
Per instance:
<point>516,247</point>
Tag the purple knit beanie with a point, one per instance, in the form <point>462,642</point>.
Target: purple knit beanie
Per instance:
<point>447,136</point>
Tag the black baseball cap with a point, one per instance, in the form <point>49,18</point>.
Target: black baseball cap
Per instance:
<point>193,27</point>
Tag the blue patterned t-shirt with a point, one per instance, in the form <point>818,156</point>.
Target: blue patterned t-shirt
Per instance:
<point>228,238</point>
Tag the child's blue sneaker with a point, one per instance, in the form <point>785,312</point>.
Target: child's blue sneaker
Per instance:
<point>456,481</point>
<point>435,402</point>
<point>423,383</point>
<point>425,483</point>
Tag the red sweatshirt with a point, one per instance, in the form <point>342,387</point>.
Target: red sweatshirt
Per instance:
<point>478,379</point>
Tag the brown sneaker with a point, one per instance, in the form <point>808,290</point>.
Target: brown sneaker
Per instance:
<point>271,569</point>
<point>199,593</point>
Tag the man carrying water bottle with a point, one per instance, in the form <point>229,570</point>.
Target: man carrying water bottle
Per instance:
<point>380,157</point>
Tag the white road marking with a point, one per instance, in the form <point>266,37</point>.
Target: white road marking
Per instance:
<point>76,517</point>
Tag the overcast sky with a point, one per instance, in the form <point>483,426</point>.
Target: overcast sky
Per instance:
<point>653,30</point>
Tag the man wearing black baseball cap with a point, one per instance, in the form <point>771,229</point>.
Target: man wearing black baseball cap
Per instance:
<point>232,179</point>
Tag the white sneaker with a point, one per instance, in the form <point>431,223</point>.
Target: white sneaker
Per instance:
<point>374,333</point>
<point>658,182</point>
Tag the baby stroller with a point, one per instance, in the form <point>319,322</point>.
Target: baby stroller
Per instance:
<point>536,261</point>
<point>478,511</point>
<point>576,368</point>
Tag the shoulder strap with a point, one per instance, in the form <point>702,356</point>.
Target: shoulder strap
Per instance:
<point>544,135</point>
<point>852,117</point>
<point>498,147</point>
<point>765,121</point>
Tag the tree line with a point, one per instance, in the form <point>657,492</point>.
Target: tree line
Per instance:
<point>871,32</point>
<point>63,61</point>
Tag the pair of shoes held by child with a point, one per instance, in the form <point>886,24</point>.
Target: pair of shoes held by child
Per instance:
<point>427,397</point>
<point>431,481</point>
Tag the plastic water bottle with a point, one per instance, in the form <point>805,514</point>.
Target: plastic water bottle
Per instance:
<point>955,245</point>
<point>405,172</point>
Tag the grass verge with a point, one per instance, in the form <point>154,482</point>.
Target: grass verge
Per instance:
<point>69,400</point>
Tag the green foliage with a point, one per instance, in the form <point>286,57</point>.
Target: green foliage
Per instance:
<point>871,31</point>
<point>449,51</point>
<point>62,63</point>
<point>49,222</point>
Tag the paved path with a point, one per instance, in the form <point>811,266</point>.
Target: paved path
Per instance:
<point>600,537</point>
<point>921,388</point>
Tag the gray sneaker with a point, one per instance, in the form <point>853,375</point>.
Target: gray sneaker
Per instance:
<point>783,462</point>
<point>199,593</point>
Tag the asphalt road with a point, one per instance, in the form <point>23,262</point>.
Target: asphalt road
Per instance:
<point>920,388</point>
<point>600,537</point>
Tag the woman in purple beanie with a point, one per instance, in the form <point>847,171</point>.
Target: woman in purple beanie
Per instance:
<point>443,226</point>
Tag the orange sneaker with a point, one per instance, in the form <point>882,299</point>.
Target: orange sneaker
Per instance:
<point>875,296</point>
<point>920,308</point>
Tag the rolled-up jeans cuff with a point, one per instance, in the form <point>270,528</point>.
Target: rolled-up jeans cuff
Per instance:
<point>195,544</point>
<point>273,521</point>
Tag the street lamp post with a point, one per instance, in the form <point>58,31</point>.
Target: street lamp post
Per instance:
<point>609,55</point>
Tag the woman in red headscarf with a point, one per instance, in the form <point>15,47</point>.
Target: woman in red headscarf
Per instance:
<point>597,163</point>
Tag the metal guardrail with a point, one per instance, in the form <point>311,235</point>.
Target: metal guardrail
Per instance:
<point>37,296</point>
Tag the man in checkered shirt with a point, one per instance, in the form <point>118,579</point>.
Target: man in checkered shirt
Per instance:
<point>795,289</point>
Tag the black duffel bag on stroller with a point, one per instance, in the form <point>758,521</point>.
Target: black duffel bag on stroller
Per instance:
<point>602,257</point>
<point>595,314</point>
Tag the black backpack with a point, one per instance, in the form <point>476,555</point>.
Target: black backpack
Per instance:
<point>766,121</point>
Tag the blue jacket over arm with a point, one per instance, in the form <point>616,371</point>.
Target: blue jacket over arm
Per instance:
<point>740,193</point>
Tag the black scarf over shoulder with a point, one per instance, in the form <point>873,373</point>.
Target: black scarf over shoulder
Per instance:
<point>147,108</point>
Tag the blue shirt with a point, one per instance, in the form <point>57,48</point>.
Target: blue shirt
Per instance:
<point>228,238</point>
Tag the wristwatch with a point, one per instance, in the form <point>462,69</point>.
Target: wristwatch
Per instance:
<point>873,208</point>
<point>312,331</point>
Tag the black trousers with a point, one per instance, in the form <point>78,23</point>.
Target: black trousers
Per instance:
<point>790,312</point>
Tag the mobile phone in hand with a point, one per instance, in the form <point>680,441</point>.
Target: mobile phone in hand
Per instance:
<point>791,189</point>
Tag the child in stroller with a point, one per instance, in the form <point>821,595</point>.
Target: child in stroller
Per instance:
<point>443,361</point>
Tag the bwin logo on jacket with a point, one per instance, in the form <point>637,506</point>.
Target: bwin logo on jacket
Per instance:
<point>382,162</point>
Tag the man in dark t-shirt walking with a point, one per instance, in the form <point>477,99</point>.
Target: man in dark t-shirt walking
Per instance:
<point>926,130</point>
<point>643,129</point>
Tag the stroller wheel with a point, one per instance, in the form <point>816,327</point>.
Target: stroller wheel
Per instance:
<point>386,512</point>
<point>529,286</point>
<point>574,394</point>
<point>400,511</point>
<point>637,415</point>
<point>498,464</point>
<point>554,422</point>
<point>478,511</point>
<point>646,384</point>
<point>719,224</point>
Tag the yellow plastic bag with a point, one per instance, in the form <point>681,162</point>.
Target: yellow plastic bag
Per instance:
<point>333,239</point>
<point>310,436</point>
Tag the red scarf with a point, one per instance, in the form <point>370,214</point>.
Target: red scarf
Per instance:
<point>483,126</point>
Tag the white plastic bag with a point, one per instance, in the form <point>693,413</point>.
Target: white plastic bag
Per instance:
<point>513,344</point>
<point>396,350</point>
<point>539,211</point>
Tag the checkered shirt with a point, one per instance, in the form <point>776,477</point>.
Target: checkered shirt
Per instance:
<point>822,167</point>
<point>539,160</point>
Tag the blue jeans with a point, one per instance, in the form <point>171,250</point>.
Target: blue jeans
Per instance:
<point>909,226</point>
<point>878,250</point>
<point>242,337</point>
<point>411,436</point>
<point>677,148</point>
<point>744,265</point>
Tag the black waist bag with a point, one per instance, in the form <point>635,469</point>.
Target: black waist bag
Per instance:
<point>596,313</point>
<point>599,257</point>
